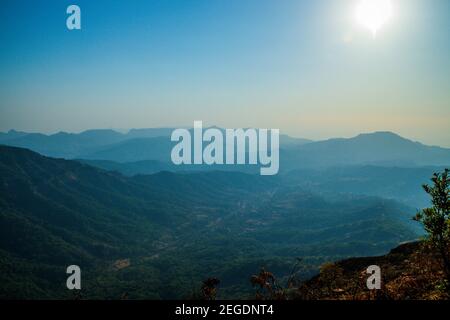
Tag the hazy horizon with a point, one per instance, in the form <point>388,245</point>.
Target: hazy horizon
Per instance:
<point>305,67</point>
<point>127,130</point>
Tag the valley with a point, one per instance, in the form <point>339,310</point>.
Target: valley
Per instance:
<point>169,231</point>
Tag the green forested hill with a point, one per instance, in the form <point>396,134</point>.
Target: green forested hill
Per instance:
<point>170,230</point>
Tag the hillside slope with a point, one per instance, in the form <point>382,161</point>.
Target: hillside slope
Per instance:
<point>168,231</point>
<point>409,271</point>
<point>378,148</point>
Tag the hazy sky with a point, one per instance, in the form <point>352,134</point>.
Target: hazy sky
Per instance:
<point>306,67</point>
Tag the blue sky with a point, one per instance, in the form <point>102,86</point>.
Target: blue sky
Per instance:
<point>305,67</point>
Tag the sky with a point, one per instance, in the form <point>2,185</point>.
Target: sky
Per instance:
<point>305,67</point>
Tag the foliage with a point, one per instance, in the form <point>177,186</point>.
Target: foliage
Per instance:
<point>172,228</point>
<point>267,286</point>
<point>436,219</point>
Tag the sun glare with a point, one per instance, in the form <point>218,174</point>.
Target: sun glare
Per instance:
<point>373,14</point>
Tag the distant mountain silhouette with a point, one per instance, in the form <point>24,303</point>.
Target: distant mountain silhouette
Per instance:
<point>105,144</point>
<point>11,134</point>
<point>149,133</point>
<point>379,148</point>
<point>138,149</point>
<point>62,144</point>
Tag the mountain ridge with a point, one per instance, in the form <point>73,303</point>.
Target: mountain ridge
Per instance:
<point>56,212</point>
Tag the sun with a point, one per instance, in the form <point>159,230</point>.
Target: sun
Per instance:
<point>373,14</point>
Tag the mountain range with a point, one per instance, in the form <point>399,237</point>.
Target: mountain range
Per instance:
<point>157,236</point>
<point>154,146</point>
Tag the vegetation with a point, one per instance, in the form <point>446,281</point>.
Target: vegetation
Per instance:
<point>436,219</point>
<point>157,236</point>
<point>417,270</point>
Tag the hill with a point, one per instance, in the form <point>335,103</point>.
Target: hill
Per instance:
<point>401,184</point>
<point>411,271</point>
<point>173,230</point>
<point>137,145</point>
<point>379,148</point>
<point>105,144</point>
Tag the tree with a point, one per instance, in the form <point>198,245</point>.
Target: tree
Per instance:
<point>209,288</point>
<point>267,287</point>
<point>436,219</point>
